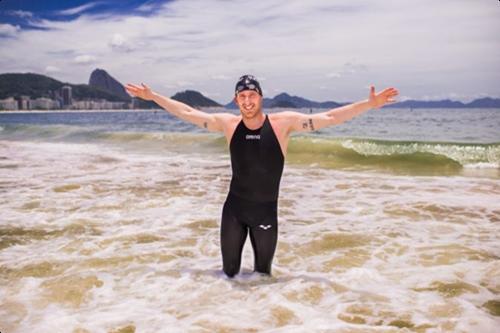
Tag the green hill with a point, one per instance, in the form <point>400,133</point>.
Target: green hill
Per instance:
<point>194,99</point>
<point>36,85</point>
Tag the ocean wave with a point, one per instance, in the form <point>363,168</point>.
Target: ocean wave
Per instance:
<point>74,133</point>
<point>402,155</point>
<point>329,152</point>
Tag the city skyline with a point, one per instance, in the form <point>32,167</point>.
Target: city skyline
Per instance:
<point>61,99</point>
<point>320,50</point>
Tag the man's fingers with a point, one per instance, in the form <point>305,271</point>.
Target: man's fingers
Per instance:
<point>133,86</point>
<point>388,90</point>
<point>132,89</point>
<point>393,94</point>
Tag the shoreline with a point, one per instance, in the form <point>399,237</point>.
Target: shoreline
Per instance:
<point>209,109</point>
<point>100,110</point>
<point>76,111</point>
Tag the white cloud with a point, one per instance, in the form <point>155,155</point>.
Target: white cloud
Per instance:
<point>77,10</point>
<point>148,6</point>
<point>295,45</point>
<point>210,95</point>
<point>221,77</point>
<point>8,30</point>
<point>119,43</point>
<point>402,98</point>
<point>454,96</point>
<point>52,69</point>
<point>333,75</point>
<point>84,59</point>
<point>20,13</point>
<point>184,84</point>
<point>348,68</point>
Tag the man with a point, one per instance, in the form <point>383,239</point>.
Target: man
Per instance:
<point>258,144</point>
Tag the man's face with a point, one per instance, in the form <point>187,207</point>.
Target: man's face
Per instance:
<point>249,102</point>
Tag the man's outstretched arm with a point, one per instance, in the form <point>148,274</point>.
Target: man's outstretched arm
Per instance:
<point>209,121</point>
<point>301,122</point>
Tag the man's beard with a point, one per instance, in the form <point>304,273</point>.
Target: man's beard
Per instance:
<point>250,114</point>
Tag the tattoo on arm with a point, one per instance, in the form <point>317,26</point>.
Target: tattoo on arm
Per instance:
<point>311,126</point>
<point>304,125</point>
<point>205,124</point>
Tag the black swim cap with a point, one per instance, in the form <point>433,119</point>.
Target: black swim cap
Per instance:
<point>247,82</point>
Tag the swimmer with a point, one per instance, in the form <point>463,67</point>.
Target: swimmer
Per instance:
<point>257,144</point>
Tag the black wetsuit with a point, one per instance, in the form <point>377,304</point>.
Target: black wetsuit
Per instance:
<point>252,203</point>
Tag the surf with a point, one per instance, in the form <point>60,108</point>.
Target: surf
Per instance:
<point>345,153</point>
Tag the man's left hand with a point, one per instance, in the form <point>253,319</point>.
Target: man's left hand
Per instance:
<point>386,96</point>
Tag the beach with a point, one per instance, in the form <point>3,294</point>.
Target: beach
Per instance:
<point>109,222</point>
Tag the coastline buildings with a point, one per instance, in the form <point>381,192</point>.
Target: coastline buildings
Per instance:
<point>66,96</point>
<point>63,100</point>
<point>43,103</point>
<point>8,104</point>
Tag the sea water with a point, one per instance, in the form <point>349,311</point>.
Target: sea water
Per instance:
<point>109,222</point>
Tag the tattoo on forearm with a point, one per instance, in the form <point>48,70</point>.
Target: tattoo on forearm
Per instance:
<point>304,125</point>
<point>205,124</point>
<point>311,126</point>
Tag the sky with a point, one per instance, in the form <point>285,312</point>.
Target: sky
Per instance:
<point>323,50</point>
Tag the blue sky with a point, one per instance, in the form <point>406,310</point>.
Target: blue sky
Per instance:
<point>22,12</point>
<point>318,49</point>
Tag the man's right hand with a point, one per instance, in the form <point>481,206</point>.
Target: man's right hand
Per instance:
<point>143,92</point>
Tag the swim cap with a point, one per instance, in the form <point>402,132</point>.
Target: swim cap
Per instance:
<point>247,82</point>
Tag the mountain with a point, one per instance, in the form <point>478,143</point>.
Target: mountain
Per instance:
<point>427,104</point>
<point>101,86</point>
<point>300,102</point>
<point>284,100</point>
<point>194,99</point>
<point>100,79</point>
<point>104,86</point>
<point>284,104</point>
<point>486,102</point>
<point>28,84</point>
<point>36,85</point>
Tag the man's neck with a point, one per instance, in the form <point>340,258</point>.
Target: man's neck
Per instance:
<point>255,122</point>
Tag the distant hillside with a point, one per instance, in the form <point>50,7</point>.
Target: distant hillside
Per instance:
<point>427,104</point>
<point>100,79</point>
<point>283,104</point>
<point>486,102</point>
<point>36,85</point>
<point>300,102</point>
<point>101,86</point>
<point>194,99</point>
<point>13,84</point>
<point>284,100</point>
<point>104,86</point>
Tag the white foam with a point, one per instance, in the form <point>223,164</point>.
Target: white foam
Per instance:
<point>146,226</point>
<point>482,165</point>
